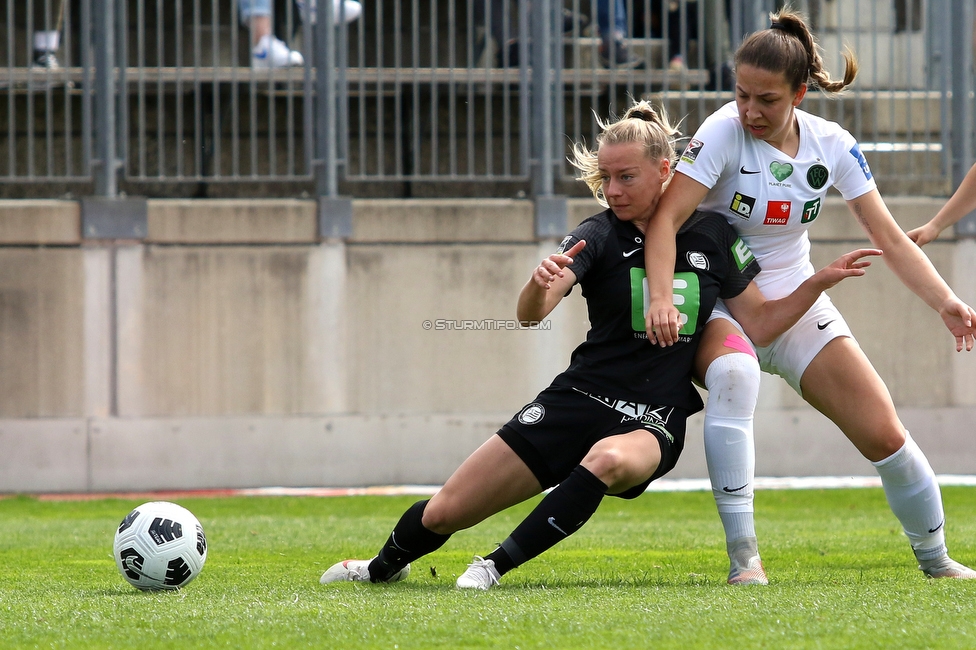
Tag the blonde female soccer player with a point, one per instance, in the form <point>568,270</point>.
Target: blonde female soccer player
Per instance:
<point>615,419</point>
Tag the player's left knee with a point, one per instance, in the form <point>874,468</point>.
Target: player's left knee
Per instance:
<point>440,516</point>
<point>887,444</point>
<point>617,469</point>
<point>733,383</point>
<point>605,462</point>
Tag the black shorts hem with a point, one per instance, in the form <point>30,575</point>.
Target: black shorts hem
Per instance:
<point>529,455</point>
<point>538,466</point>
<point>669,458</point>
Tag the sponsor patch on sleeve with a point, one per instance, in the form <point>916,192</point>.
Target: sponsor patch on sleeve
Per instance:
<point>691,151</point>
<point>861,160</point>
<point>741,253</point>
<point>564,244</point>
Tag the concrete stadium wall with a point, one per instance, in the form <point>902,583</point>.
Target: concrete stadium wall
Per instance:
<point>233,348</point>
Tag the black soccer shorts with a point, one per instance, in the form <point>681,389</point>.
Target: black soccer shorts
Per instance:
<point>553,434</point>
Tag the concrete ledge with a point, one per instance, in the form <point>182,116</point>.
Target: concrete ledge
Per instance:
<point>250,221</point>
<point>252,452</point>
<point>286,221</point>
<point>443,220</point>
<point>119,454</point>
<point>40,222</point>
<point>803,442</point>
<point>44,455</point>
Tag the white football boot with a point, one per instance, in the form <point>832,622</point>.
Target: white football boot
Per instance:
<point>480,574</point>
<point>356,571</point>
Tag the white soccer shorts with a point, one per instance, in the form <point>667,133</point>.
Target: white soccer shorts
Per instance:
<point>792,352</point>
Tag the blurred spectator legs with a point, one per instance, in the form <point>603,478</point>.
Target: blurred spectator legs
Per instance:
<point>48,19</point>
<point>612,23</point>
<point>267,51</point>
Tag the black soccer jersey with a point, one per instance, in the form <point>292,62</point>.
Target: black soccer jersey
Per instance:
<point>616,360</point>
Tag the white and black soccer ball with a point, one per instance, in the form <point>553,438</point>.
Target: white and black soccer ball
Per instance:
<point>160,545</point>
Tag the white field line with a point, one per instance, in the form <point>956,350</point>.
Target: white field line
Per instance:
<point>662,485</point>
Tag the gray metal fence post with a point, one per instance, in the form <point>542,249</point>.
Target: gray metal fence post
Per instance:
<point>961,57</point>
<point>550,210</point>
<point>105,215</point>
<point>334,212</point>
<point>106,176</point>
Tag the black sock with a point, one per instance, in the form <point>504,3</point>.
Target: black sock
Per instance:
<point>408,541</point>
<point>560,514</point>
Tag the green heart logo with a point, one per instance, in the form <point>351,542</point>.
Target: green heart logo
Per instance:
<point>781,171</point>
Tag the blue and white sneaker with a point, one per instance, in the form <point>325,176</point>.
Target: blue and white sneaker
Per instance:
<point>271,52</point>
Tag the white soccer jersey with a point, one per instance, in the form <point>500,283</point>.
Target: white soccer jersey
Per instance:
<point>770,198</point>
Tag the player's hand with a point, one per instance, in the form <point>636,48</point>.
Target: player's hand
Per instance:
<point>849,265</point>
<point>662,322</point>
<point>923,234</point>
<point>552,267</point>
<point>960,319</point>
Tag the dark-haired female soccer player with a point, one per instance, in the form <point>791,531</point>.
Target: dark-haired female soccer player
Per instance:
<point>766,166</point>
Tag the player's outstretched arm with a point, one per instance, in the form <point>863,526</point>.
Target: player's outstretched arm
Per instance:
<point>550,281</point>
<point>678,202</point>
<point>764,320</point>
<point>913,267</point>
<point>961,203</point>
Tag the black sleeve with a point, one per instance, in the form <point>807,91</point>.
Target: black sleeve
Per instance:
<point>595,231</point>
<point>742,267</point>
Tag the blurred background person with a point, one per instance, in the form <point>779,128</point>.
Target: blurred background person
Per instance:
<point>497,46</point>
<point>683,22</point>
<point>611,19</point>
<point>269,51</point>
<point>48,20</point>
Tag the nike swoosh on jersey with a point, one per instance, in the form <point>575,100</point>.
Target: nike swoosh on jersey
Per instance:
<point>743,170</point>
<point>629,253</point>
<point>824,326</point>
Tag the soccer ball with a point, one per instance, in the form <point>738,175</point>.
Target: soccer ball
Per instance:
<point>160,545</point>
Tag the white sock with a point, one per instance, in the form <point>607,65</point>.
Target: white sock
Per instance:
<point>353,9</point>
<point>47,41</point>
<point>732,381</point>
<point>914,496</point>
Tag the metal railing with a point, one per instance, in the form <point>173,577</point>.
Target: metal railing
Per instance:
<point>161,92</point>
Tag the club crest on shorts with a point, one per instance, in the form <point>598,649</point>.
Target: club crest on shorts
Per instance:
<point>697,260</point>
<point>532,413</point>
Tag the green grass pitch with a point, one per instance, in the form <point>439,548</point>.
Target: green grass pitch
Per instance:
<point>648,573</point>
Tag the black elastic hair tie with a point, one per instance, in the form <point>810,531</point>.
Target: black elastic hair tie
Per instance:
<point>777,25</point>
